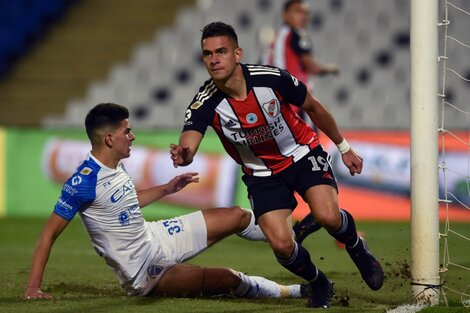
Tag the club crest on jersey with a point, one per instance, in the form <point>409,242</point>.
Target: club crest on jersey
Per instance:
<point>251,118</point>
<point>272,107</point>
<point>123,218</point>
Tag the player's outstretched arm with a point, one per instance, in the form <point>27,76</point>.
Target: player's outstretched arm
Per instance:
<point>316,68</point>
<point>182,154</point>
<point>54,226</point>
<point>153,194</point>
<point>323,119</point>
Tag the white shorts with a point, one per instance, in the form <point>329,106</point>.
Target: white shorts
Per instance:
<point>178,239</point>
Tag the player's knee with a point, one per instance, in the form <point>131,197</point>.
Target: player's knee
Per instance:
<point>241,216</point>
<point>282,247</point>
<point>330,219</point>
<point>218,281</point>
<point>233,278</point>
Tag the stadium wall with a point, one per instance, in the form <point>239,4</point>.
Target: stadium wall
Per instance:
<point>35,163</point>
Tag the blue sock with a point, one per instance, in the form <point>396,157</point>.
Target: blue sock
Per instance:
<point>300,263</point>
<point>347,233</point>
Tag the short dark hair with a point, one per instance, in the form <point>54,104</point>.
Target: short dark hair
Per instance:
<point>290,3</point>
<point>216,29</point>
<point>104,115</point>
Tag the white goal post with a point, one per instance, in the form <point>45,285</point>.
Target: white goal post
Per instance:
<point>424,151</point>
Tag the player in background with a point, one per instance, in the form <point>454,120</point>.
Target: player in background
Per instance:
<point>249,107</point>
<point>292,48</point>
<point>146,256</point>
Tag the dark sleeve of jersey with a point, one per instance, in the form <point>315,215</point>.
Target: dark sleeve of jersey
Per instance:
<point>300,42</point>
<point>75,196</point>
<point>198,116</point>
<point>291,89</point>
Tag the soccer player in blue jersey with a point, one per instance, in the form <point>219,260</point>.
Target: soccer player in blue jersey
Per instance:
<point>146,256</point>
<point>249,107</point>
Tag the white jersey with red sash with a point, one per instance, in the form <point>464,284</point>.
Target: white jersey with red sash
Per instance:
<point>261,132</point>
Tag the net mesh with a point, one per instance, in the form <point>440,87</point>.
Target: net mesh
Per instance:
<point>454,161</point>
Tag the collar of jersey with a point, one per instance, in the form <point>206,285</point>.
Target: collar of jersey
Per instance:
<point>90,156</point>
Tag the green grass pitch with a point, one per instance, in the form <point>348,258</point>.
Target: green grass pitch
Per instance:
<point>81,282</point>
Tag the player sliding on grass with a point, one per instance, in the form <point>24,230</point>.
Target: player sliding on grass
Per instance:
<point>146,256</point>
<point>249,108</point>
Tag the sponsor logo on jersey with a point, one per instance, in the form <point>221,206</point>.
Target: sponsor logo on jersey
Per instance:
<point>122,191</point>
<point>259,134</point>
<point>251,118</point>
<point>64,204</point>
<point>76,180</point>
<point>272,107</point>
<point>196,105</point>
<point>125,217</point>
<point>69,189</point>
<point>86,171</point>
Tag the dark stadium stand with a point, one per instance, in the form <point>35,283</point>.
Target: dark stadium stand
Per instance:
<point>22,22</point>
<point>104,51</point>
<point>74,51</point>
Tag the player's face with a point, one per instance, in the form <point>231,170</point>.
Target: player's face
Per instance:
<point>122,139</point>
<point>221,56</point>
<point>297,15</point>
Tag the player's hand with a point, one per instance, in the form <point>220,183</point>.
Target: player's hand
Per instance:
<point>36,293</point>
<point>179,154</point>
<point>181,181</point>
<point>353,162</point>
<point>329,68</point>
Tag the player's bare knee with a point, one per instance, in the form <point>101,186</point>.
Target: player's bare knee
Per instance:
<point>242,216</point>
<point>233,278</point>
<point>282,248</point>
<point>219,281</point>
<point>329,219</point>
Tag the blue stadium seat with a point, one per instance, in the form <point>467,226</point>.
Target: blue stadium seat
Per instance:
<point>21,22</point>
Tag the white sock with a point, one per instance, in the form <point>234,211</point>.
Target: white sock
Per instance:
<point>260,287</point>
<point>253,231</point>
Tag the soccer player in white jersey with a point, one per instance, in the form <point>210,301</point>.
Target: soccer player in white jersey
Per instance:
<point>146,256</point>
<point>249,107</point>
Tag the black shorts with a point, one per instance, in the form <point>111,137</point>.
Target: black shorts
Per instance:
<point>277,191</point>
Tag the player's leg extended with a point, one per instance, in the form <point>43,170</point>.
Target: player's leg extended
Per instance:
<point>305,227</point>
<point>276,225</point>
<point>184,280</point>
<point>323,202</point>
<point>222,222</point>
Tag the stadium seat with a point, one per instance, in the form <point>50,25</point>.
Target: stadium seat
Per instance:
<point>370,44</point>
